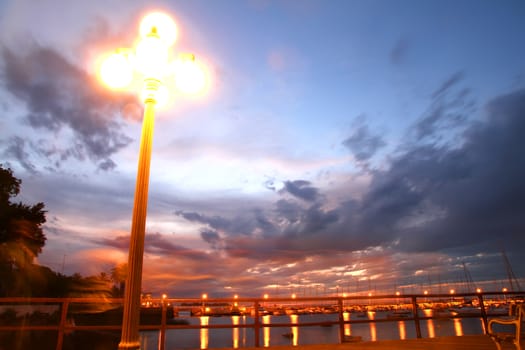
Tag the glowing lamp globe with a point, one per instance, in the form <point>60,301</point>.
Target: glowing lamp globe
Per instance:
<point>162,25</point>
<point>116,71</point>
<point>152,57</point>
<point>190,77</point>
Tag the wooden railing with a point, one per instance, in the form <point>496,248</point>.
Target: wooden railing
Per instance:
<point>256,307</point>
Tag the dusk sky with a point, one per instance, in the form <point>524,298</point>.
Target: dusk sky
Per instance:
<point>343,145</point>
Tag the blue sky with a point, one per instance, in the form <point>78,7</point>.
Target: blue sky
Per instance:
<point>342,145</point>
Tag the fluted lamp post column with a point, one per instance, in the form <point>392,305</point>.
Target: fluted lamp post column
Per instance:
<point>151,61</point>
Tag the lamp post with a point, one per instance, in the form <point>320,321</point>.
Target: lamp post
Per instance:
<point>150,60</point>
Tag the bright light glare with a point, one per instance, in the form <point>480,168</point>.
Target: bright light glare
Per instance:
<point>162,24</point>
<point>116,71</point>
<point>152,58</point>
<point>161,96</point>
<point>190,76</point>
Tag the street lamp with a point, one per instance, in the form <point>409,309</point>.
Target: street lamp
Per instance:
<point>150,60</point>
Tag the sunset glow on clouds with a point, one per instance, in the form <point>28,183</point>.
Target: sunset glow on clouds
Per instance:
<point>343,145</point>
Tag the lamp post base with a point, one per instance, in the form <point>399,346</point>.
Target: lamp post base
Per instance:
<point>129,346</point>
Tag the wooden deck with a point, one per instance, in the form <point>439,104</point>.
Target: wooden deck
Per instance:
<point>468,342</point>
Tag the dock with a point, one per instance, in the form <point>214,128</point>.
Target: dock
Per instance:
<point>466,342</point>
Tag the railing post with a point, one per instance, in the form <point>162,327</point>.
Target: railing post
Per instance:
<point>483,314</point>
<point>62,325</point>
<point>341,320</point>
<point>416,316</point>
<point>162,339</point>
<point>256,323</point>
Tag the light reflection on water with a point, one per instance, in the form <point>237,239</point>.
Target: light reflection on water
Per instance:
<point>458,327</point>
<point>235,330</point>
<point>295,330</point>
<point>430,324</point>
<point>266,330</point>
<point>402,330</point>
<point>348,330</point>
<point>373,330</point>
<point>237,337</point>
<point>204,332</point>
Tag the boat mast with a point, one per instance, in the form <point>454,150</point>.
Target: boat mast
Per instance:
<point>510,273</point>
<point>468,279</point>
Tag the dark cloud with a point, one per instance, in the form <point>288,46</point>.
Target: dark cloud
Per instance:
<point>270,184</point>
<point>250,222</point>
<point>447,84</point>
<point>316,219</point>
<point>288,210</point>
<point>16,148</point>
<point>212,238</point>
<point>442,199</point>
<point>260,234</point>
<point>435,197</point>
<point>107,164</point>
<point>216,222</point>
<point>362,142</point>
<point>301,189</point>
<point>450,109</point>
<point>295,220</point>
<point>154,243</point>
<point>60,96</point>
<point>209,236</point>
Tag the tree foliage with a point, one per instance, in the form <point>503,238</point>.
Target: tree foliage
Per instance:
<point>22,239</point>
<point>21,234</point>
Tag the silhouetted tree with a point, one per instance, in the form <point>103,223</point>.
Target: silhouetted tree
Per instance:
<point>22,239</point>
<point>119,274</point>
<point>21,236</point>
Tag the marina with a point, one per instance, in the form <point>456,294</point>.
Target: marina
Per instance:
<point>262,322</point>
<point>326,332</point>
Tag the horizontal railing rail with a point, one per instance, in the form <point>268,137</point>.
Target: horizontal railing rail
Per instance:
<point>257,307</point>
